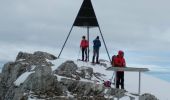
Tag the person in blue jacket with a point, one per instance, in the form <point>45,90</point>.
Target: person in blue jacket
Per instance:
<point>96,47</point>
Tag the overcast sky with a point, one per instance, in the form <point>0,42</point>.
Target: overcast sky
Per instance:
<point>139,27</point>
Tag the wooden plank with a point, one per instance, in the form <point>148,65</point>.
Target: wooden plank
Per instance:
<point>133,69</point>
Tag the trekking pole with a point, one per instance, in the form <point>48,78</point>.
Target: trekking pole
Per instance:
<point>88,54</point>
<point>112,77</point>
<point>78,54</point>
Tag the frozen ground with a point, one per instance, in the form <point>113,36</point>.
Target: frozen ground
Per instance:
<point>149,84</point>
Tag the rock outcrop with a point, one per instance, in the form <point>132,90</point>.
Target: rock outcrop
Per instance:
<point>147,96</point>
<point>0,77</point>
<point>67,69</point>
<point>40,81</point>
<point>30,76</point>
<point>85,72</point>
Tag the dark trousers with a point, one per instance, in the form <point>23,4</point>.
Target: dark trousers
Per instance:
<point>95,54</point>
<point>120,79</point>
<point>84,51</point>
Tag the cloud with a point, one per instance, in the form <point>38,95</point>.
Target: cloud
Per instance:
<point>137,27</point>
<point>152,68</point>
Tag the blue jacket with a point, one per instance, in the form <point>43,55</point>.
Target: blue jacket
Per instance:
<point>96,44</point>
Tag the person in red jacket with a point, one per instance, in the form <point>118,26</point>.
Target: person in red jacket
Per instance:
<point>84,45</point>
<point>119,61</point>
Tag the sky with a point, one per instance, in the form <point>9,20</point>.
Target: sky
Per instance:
<point>138,27</point>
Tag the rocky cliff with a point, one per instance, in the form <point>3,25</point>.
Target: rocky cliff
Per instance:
<point>30,77</point>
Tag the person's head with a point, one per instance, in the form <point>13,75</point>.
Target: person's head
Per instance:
<point>120,53</point>
<point>83,37</point>
<point>97,37</point>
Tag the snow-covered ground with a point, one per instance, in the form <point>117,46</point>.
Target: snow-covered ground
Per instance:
<point>22,78</point>
<point>149,84</point>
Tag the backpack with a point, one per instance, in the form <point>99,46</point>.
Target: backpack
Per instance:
<point>107,83</point>
<point>113,59</point>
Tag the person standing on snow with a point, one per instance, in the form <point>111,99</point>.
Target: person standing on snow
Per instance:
<point>119,61</point>
<point>84,45</point>
<point>96,47</point>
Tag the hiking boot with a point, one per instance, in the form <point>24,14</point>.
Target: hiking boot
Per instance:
<point>92,62</point>
<point>97,62</point>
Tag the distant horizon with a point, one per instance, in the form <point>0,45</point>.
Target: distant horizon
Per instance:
<point>158,72</point>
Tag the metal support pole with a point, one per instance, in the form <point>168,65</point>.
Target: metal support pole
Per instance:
<point>88,50</point>
<point>104,44</point>
<point>65,41</point>
<point>139,83</point>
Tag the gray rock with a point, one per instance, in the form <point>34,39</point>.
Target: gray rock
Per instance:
<point>118,93</point>
<point>45,84</point>
<point>11,71</point>
<point>85,72</point>
<point>103,62</point>
<point>78,87</point>
<point>23,56</point>
<point>42,80</point>
<point>33,59</point>
<point>147,96</point>
<point>14,93</point>
<point>0,77</point>
<point>67,69</point>
<point>45,55</point>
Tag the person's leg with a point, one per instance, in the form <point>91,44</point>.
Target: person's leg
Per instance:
<point>85,54</point>
<point>117,80</point>
<point>94,54</point>
<point>122,80</point>
<point>97,54</point>
<point>82,54</point>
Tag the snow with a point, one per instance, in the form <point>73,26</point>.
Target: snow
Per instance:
<point>149,84</point>
<point>57,63</point>
<point>22,78</point>
<point>34,98</point>
<point>33,67</point>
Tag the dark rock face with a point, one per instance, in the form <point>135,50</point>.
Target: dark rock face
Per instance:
<point>11,71</point>
<point>67,69</point>
<point>35,59</point>
<point>147,96</point>
<point>41,80</point>
<point>45,55</point>
<point>85,72</point>
<point>78,87</point>
<point>0,77</point>
<point>119,93</point>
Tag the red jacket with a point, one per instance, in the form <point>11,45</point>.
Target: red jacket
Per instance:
<point>84,44</point>
<point>119,60</point>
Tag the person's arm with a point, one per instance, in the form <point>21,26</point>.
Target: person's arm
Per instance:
<point>119,62</point>
<point>87,43</point>
<point>124,62</point>
<point>99,43</point>
<point>81,43</point>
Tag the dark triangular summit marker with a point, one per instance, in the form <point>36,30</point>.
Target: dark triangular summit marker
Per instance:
<point>86,15</point>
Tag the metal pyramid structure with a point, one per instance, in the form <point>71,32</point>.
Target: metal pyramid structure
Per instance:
<point>86,16</point>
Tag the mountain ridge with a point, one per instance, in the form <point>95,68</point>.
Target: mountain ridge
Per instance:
<point>36,76</point>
